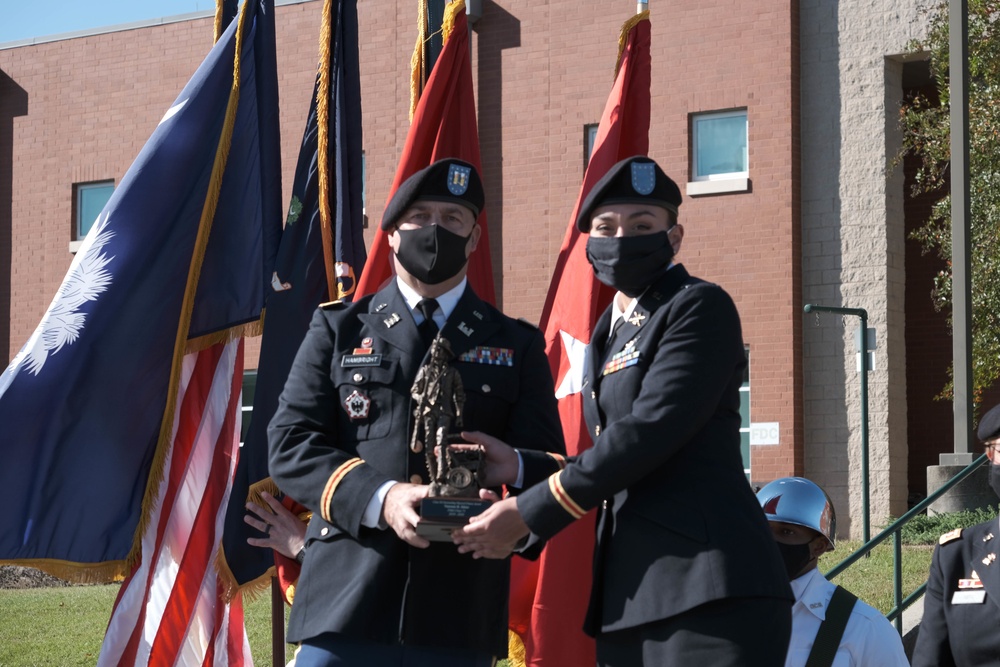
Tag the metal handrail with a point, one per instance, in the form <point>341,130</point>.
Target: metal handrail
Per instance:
<point>896,613</point>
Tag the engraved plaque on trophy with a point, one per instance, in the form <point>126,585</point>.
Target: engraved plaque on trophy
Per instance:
<point>455,474</point>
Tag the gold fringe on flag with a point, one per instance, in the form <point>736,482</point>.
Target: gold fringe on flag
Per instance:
<point>219,6</point>
<point>623,37</point>
<point>77,573</point>
<point>265,485</point>
<point>418,63</point>
<point>323,145</point>
<point>448,23</point>
<point>250,591</point>
<point>516,654</point>
<point>187,307</point>
<point>248,330</point>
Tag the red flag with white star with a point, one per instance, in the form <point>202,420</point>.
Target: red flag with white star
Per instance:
<point>574,302</point>
<point>443,126</point>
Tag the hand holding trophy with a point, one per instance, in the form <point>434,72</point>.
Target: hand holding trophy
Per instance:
<point>455,474</point>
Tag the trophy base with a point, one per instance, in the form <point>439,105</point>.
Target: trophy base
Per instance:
<point>441,515</point>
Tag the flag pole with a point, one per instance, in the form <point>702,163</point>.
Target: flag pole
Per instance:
<point>640,7</point>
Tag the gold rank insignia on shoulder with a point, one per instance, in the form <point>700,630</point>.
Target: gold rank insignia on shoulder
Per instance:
<point>950,536</point>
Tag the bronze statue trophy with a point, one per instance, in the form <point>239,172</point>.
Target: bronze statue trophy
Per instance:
<point>455,474</point>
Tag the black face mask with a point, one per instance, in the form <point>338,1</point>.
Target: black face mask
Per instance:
<point>431,254</point>
<point>629,264</point>
<point>796,556</point>
<point>995,478</point>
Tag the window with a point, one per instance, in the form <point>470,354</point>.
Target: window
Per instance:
<point>745,417</point>
<point>719,154</point>
<point>90,199</point>
<point>589,137</point>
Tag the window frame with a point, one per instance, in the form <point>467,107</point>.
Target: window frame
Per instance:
<point>732,181</point>
<point>79,190</point>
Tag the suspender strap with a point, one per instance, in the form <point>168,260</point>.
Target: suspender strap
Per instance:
<point>832,629</point>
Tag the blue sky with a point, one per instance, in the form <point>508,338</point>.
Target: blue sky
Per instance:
<point>38,18</point>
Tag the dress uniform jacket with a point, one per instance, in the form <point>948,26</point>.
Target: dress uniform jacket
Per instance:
<point>342,429</point>
<point>679,525</point>
<point>961,622</point>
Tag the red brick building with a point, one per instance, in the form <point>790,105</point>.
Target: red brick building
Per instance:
<point>76,109</point>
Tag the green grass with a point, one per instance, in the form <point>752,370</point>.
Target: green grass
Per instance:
<point>57,627</point>
<point>871,578</point>
<point>63,627</point>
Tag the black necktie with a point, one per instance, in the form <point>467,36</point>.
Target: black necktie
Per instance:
<point>428,328</point>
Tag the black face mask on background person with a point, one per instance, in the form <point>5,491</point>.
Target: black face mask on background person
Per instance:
<point>431,254</point>
<point>796,556</point>
<point>629,264</point>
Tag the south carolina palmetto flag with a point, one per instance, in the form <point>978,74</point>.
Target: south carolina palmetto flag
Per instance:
<point>121,411</point>
<point>554,636</point>
<point>443,126</point>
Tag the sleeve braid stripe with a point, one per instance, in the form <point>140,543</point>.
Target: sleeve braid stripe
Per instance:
<point>331,486</point>
<point>568,504</point>
<point>560,459</point>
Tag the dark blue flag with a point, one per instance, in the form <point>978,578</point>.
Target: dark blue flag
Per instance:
<point>322,251</point>
<point>176,259</point>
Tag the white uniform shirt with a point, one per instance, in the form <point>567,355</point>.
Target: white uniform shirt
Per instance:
<point>869,638</point>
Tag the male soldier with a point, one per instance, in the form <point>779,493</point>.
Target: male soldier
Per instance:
<point>962,603</point>
<point>372,591</point>
<point>830,626</point>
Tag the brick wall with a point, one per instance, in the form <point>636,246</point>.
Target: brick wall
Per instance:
<point>543,70</point>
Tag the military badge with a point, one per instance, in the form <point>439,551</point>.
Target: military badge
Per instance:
<point>636,319</point>
<point>627,357</point>
<point>367,341</point>
<point>493,356</point>
<point>357,405</point>
<point>458,179</point>
<point>643,177</point>
<point>464,328</point>
<point>392,320</point>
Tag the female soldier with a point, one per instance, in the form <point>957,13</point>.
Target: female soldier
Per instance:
<point>685,570</point>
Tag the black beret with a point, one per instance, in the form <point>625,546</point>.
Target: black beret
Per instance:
<point>989,425</point>
<point>447,180</point>
<point>634,180</point>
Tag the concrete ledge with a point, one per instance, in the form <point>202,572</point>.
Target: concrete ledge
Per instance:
<point>972,492</point>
